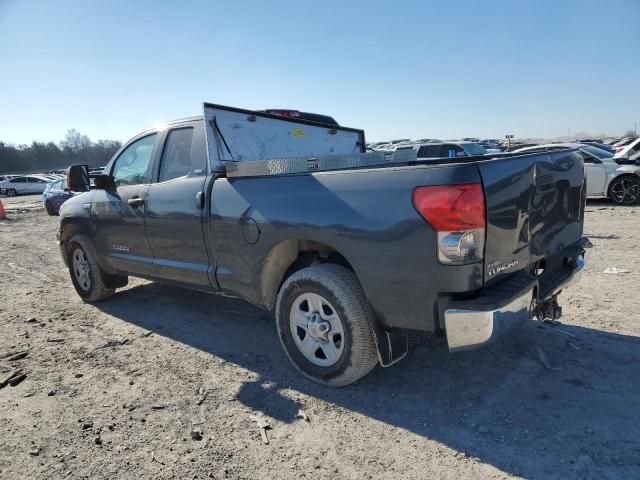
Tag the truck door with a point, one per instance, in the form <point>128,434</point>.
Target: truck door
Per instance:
<point>118,216</point>
<point>175,203</point>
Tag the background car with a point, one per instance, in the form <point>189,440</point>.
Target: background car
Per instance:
<point>25,184</point>
<point>629,150</point>
<point>600,145</point>
<point>449,149</point>
<point>605,176</point>
<point>55,194</point>
<point>619,145</point>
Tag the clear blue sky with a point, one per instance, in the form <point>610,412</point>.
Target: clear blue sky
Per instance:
<point>417,68</point>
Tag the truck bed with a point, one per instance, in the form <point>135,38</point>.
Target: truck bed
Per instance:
<point>331,193</point>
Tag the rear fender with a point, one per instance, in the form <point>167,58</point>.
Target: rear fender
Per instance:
<point>392,345</point>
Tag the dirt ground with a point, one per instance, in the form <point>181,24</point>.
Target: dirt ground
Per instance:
<point>115,390</point>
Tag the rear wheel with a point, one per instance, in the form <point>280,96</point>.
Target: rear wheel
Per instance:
<point>49,208</point>
<point>11,192</point>
<point>323,320</point>
<point>625,190</point>
<point>86,274</point>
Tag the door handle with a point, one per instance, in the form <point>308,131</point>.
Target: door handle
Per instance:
<point>135,201</point>
<point>200,200</point>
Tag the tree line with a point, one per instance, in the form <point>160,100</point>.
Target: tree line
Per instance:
<point>76,148</point>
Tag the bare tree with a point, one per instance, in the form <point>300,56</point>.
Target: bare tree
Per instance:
<point>76,142</point>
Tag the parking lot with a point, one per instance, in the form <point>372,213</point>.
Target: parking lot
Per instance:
<point>125,388</point>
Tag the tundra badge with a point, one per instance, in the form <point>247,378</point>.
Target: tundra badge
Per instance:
<point>495,268</point>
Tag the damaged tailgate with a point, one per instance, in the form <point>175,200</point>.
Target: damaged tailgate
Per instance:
<point>535,211</point>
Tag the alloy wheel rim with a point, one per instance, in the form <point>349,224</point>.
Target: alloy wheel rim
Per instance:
<point>626,191</point>
<point>317,329</point>
<point>81,269</point>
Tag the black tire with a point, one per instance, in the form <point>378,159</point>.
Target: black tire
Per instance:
<point>49,208</point>
<point>341,288</point>
<point>625,190</point>
<point>11,192</point>
<point>95,289</point>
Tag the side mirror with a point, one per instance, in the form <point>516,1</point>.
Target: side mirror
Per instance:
<point>104,182</point>
<point>78,178</point>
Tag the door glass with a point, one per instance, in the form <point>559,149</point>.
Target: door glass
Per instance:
<point>176,157</point>
<point>132,164</point>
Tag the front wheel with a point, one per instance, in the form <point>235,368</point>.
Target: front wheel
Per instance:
<point>323,320</point>
<point>11,192</point>
<point>625,190</point>
<point>86,274</point>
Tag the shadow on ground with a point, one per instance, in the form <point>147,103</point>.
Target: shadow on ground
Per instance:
<point>577,417</point>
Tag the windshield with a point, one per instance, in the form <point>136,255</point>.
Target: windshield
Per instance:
<point>474,149</point>
<point>596,152</point>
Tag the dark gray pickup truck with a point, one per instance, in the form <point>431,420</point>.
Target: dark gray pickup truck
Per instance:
<point>350,249</point>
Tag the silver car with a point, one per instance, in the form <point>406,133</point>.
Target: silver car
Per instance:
<point>605,177</point>
<point>25,184</point>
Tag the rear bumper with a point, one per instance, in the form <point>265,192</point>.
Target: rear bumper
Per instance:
<point>468,329</point>
<point>472,323</point>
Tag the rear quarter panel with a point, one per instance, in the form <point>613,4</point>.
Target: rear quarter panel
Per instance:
<point>365,215</point>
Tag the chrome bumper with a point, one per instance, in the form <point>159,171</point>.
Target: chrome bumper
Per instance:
<point>468,329</point>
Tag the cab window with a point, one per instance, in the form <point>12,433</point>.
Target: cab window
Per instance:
<point>176,157</point>
<point>132,165</point>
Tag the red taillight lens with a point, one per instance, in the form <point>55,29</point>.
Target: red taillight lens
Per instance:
<point>456,212</point>
<point>451,207</point>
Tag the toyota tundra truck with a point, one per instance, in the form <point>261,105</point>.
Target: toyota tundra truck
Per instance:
<point>350,250</point>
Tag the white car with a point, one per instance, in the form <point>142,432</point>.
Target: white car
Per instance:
<point>629,150</point>
<point>25,184</point>
<point>605,177</point>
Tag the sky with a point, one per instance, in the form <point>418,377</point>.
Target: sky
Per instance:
<point>414,69</point>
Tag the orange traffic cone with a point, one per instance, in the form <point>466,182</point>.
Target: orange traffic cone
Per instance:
<point>3,215</point>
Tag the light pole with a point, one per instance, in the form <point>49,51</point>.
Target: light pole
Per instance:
<point>508,137</point>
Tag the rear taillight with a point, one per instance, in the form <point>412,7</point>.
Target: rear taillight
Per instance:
<point>618,149</point>
<point>457,214</point>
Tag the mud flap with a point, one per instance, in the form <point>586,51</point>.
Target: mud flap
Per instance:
<point>115,281</point>
<point>392,346</point>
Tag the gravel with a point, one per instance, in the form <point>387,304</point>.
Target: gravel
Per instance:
<point>497,412</point>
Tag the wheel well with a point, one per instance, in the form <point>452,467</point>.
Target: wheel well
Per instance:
<point>291,256</point>
<point>68,231</point>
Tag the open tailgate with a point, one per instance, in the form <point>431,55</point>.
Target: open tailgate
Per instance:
<point>535,210</point>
